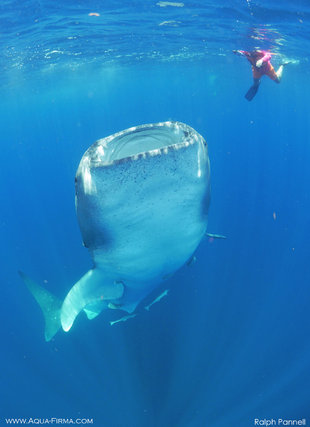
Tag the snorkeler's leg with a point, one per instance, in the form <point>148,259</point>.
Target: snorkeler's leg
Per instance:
<point>253,90</point>
<point>280,71</point>
<point>279,74</point>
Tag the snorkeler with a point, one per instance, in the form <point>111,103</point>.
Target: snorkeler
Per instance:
<point>260,61</point>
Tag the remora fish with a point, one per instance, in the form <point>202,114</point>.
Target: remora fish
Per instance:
<point>160,297</point>
<point>123,319</point>
<point>142,198</point>
<point>216,236</point>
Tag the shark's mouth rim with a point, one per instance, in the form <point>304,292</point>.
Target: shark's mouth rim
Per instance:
<point>99,154</point>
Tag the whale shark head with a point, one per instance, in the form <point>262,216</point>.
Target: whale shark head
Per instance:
<point>142,198</point>
<point>155,176</point>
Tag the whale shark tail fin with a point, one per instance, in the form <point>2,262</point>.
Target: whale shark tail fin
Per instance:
<point>49,304</point>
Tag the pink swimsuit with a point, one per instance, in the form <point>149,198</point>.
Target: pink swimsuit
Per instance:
<point>266,67</point>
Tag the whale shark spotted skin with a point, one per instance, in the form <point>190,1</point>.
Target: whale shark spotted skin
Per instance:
<point>142,199</point>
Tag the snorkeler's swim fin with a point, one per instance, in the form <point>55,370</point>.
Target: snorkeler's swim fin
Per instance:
<point>286,63</point>
<point>251,92</point>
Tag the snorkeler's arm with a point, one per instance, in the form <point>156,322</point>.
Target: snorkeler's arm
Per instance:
<point>265,58</point>
<point>241,52</point>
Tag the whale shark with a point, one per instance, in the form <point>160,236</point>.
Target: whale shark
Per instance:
<point>142,197</point>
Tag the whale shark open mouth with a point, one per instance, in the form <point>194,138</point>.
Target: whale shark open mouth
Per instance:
<point>151,139</point>
<point>134,143</point>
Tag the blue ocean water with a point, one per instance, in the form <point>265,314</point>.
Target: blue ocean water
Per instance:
<point>230,343</point>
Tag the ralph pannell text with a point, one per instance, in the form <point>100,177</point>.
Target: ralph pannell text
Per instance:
<point>279,422</point>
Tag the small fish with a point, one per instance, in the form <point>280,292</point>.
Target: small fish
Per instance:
<point>191,261</point>
<point>162,295</point>
<point>216,236</point>
<point>123,319</point>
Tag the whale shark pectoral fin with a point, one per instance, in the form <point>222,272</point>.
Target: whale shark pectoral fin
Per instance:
<point>49,304</point>
<point>91,293</point>
<point>113,306</point>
